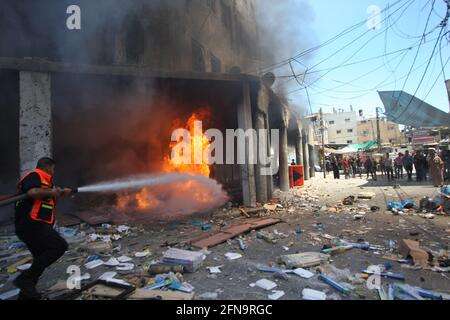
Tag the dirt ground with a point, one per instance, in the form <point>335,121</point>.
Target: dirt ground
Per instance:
<point>319,203</point>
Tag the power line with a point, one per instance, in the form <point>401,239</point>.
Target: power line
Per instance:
<point>364,45</point>
<point>418,49</point>
<point>368,90</point>
<point>421,80</point>
<point>331,40</point>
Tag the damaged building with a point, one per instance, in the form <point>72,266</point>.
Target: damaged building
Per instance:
<point>102,100</point>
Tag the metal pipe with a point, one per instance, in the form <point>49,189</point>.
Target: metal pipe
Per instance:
<point>19,197</point>
<point>12,200</point>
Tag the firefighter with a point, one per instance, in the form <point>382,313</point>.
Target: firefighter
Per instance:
<point>34,221</point>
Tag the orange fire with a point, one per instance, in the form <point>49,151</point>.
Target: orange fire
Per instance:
<point>199,143</point>
<point>146,200</point>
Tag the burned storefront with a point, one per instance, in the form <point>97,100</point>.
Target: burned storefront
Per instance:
<point>109,111</point>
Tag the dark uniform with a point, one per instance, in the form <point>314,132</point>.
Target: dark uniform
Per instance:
<point>34,220</point>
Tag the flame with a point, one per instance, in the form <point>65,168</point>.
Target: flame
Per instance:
<point>199,143</point>
<point>146,199</point>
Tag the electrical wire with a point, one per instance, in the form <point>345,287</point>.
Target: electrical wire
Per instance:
<point>329,41</point>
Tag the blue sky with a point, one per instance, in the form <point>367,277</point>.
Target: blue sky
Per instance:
<point>357,84</point>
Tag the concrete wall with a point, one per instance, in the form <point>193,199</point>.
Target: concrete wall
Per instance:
<point>158,34</point>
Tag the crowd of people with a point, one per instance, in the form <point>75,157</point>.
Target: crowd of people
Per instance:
<point>430,164</point>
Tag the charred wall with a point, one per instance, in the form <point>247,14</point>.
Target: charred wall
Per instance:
<point>9,135</point>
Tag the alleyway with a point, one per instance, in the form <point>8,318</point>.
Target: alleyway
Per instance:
<point>311,218</point>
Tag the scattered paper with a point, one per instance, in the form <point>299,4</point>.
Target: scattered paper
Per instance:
<point>113,262</point>
<point>233,256</point>
<point>93,264</point>
<point>125,267</point>
<point>266,284</point>
<point>122,228</point>
<point>142,254</point>
<point>276,295</point>
<point>124,259</point>
<point>85,276</point>
<point>214,269</point>
<point>9,294</point>
<point>304,273</point>
<point>24,267</point>
<point>109,277</point>
<point>310,294</point>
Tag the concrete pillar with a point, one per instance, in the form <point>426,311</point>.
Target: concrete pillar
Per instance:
<point>312,170</point>
<point>260,176</point>
<point>306,156</point>
<point>299,147</point>
<point>284,161</point>
<point>269,177</point>
<point>35,120</point>
<point>244,114</point>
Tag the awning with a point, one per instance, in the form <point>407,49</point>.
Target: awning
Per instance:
<point>403,108</point>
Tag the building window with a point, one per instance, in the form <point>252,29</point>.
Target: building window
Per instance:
<point>366,133</point>
<point>211,5</point>
<point>134,42</point>
<point>331,122</point>
<point>347,120</point>
<point>349,141</point>
<point>349,130</point>
<point>198,59</point>
<point>339,132</point>
<point>216,64</point>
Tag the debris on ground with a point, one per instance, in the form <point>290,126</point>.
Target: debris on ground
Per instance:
<point>309,244</point>
<point>303,260</point>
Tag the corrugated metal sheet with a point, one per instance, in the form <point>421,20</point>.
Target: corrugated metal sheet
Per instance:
<point>403,108</point>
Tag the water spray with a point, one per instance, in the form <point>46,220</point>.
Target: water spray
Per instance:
<point>135,183</point>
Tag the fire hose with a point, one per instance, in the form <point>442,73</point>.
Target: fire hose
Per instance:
<point>11,200</point>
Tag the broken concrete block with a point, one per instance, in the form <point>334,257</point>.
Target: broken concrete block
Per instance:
<point>366,195</point>
<point>412,248</point>
<point>303,260</point>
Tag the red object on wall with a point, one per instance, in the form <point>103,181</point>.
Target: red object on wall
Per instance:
<point>296,176</point>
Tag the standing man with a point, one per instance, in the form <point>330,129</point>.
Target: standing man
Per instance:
<point>382,166</point>
<point>408,164</point>
<point>388,163</point>
<point>418,165</point>
<point>399,166</point>
<point>34,220</point>
<point>370,169</point>
<point>436,166</point>
<point>346,165</point>
<point>359,165</point>
<point>335,166</point>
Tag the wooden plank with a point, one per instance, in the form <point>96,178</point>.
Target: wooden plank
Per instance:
<point>141,294</point>
<point>232,232</point>
<point>93,218</point>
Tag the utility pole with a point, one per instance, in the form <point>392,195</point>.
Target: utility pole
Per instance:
<point>378,131</point>
<point>322,134</point>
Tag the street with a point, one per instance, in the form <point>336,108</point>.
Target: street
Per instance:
<point>303,210</point>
